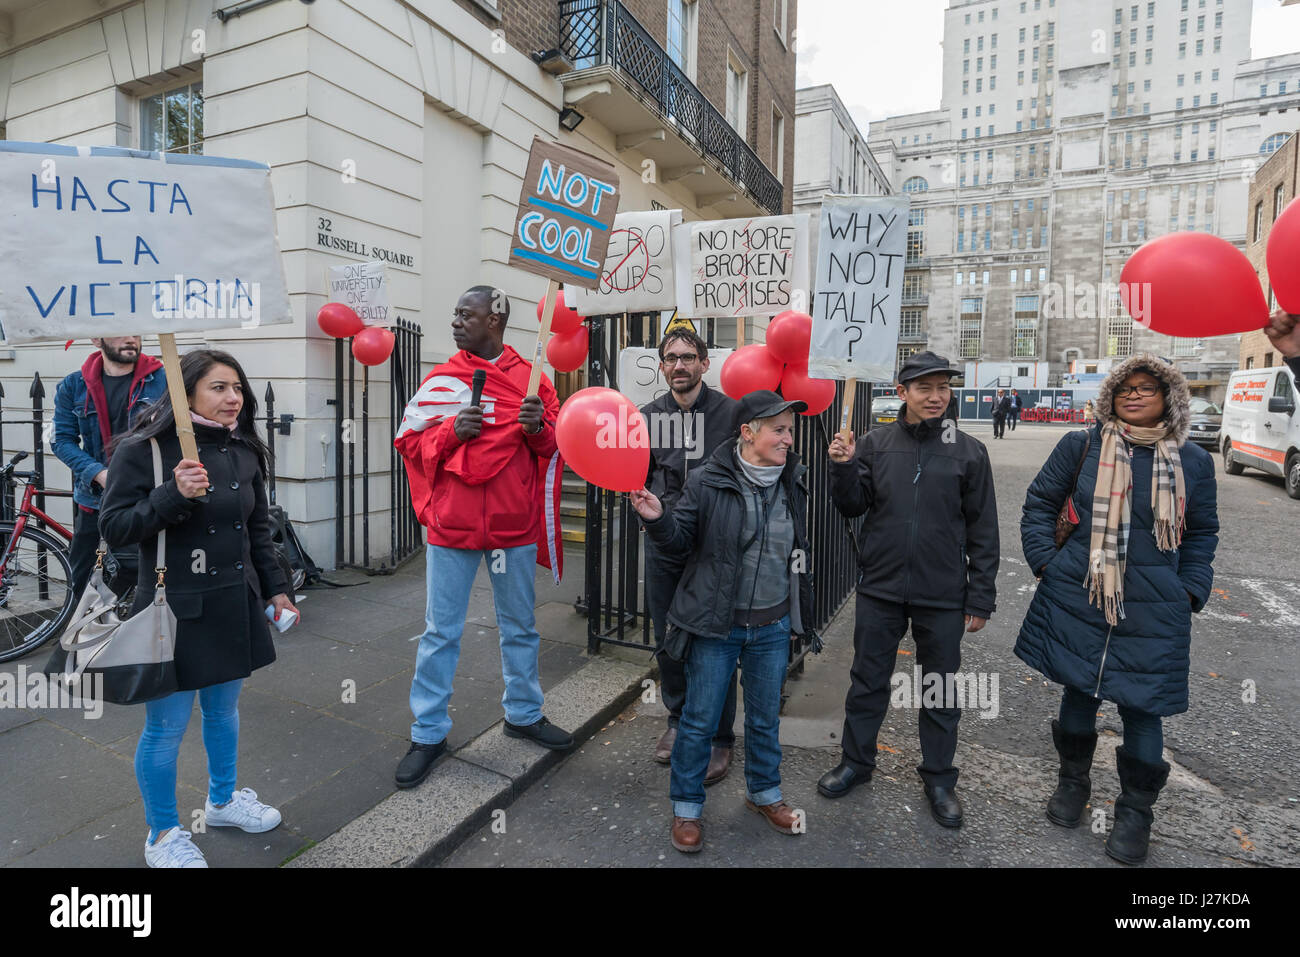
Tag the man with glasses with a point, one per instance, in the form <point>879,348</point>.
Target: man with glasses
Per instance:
<point>686,425</point>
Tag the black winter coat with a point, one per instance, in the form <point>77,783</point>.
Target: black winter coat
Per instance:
<point>931,533</point>
<point>221,566</point>
<point>1143,661</point>
<point>705,529</point>
<point>669,465</point>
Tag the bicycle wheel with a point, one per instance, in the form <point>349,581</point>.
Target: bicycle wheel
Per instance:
<point>36,599</point>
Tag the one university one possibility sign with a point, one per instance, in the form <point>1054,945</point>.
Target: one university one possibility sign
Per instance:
<point>858,287</point>
<point>102,241</point>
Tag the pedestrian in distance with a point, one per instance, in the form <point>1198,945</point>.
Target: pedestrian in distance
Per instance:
<point>221,572</point>
<point>92,406</point>
<point>1089,413</point>
<point>1001,409</point>
<point>1013,414</point>
<point>741,526</point>
<point>479,477</point>
<point>699,419</point>
<point>928,558</point>
<point>1111,619</point>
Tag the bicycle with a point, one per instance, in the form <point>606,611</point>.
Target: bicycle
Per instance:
<point>36,597</point>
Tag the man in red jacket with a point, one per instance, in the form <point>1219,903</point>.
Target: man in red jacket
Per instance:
<point>485,482</point>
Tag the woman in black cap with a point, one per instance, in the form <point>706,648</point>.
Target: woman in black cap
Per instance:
<point>741,526</point>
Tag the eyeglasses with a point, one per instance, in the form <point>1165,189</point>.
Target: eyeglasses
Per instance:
<point>1146,391</point>
<point>685,359</point>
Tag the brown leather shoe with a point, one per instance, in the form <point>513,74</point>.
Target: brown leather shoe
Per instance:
<point>719,765</point>
<point>779,815</point>
<point>688,835</point>
<point>664,747</point>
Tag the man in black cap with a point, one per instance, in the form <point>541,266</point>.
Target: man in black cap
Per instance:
<point>687,423</point>
<point>929,557</point>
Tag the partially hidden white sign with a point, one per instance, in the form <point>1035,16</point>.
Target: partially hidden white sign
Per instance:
<point>363,287</point>
<point>638,271</point>
<point>742,267</point>
<point>640,379</point>
<point>858,287</point>
<point>100,241</point>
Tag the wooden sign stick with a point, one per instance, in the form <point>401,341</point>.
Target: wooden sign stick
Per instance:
<point>176,389</point>
<point>846,416</point>
<point>740,331</point>
<point>543,333</point>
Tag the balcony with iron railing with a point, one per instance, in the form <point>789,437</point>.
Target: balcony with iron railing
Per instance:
<point>630,84</point>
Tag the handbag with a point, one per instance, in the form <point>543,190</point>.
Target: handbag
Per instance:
<point>127,661</point>
<point>1067,519</point>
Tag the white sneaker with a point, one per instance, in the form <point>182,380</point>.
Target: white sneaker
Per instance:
<point>173,849</point>
<point>243,811</point>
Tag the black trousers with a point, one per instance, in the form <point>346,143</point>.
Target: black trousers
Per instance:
<point>1015,417</point>
<point>999,426</point>
<point>878,628</point>
<point>662,573</point>
<point>81,553</point>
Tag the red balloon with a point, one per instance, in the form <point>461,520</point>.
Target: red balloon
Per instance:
<point>373,345</point>
<point>564,320</point>
<point>337,320</point>
<point>789,335</point>
<point>568,352</point>
<point>818,393</point>
<point>749,369</point>
<point>1193,285</point>
<point>1283,257</point>
<point>603,437</point>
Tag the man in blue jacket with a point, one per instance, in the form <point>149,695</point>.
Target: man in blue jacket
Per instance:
<point>92,405</point>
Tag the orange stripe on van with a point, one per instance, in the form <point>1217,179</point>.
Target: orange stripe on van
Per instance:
<point>1271,455</point>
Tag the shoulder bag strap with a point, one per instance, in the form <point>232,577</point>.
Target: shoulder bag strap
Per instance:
<point>160,563</point>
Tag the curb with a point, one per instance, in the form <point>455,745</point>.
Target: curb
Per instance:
<point>420,827</point>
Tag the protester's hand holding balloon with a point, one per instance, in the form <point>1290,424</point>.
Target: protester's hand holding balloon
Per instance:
<point>468,423</point>
<point>647,505</point>
<point>530,414</point>
<point>1283,330</point>
<point>191,478</point>
<point>842,447</point>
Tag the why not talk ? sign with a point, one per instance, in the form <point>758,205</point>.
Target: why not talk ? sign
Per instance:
<point>99,241</point>
<point>566,210</point>
<point>858,287</point>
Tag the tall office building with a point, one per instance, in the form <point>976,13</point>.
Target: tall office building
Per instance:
<point>1068,134</point>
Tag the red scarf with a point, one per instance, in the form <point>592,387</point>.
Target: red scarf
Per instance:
<point>445,392</point>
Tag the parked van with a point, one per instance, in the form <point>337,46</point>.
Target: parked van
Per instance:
<point>1261,425</point>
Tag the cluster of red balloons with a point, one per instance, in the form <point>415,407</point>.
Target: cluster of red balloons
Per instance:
<point>371,345</point>
<point>780,364</point>
<point>1197,285</point>
<point>603,437</point>
<point>566,350</point>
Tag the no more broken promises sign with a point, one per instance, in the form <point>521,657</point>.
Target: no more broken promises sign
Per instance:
<point>103,241</point>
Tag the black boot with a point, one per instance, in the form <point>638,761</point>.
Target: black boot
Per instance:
<point>1140,785</point>
<point>1065,807</point>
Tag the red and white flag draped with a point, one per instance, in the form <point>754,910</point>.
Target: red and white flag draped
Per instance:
<point>443,394</point>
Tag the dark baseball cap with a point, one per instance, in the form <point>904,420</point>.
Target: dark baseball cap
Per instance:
<point>763,404</point>
<point>924,363</point>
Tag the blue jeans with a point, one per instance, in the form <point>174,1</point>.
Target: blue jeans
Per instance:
<point>763,654</point>
<point>449,579</point>
<point>1143,735</point>
<point>165,722</point>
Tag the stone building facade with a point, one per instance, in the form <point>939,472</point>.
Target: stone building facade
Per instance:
<point>1273,188</point>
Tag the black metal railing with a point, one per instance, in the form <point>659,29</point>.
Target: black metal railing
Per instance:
<point>353,430</point>
<point>615,600</point>
<point>603,33</point>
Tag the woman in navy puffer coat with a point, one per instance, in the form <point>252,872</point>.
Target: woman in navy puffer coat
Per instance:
<point>1140,659</point>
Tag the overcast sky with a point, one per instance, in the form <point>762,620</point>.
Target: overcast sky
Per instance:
<point>884,58</point>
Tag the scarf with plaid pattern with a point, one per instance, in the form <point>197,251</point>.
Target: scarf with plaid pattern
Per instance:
<point>1112,507</point>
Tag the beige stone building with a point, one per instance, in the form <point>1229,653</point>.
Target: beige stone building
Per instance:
<point>1271,190</point>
